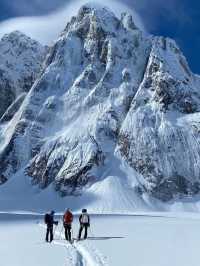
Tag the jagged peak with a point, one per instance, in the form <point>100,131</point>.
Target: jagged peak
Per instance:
<point>127,21</point>
<point>14,34</point>
<point>18,41</point>
<point>17,36</point>
<point>166,56</point>
<point>100,16</point>
<point>166,43</point>
<point>95,8</point>
<point>104,12</point>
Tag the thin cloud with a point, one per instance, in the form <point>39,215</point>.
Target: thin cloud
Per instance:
<point>47,28</point>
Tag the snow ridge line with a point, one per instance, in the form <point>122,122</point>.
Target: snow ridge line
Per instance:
<point>86,255</point>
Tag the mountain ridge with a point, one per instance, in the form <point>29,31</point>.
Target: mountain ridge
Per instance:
<point>108,95</point>
<point>21,62</point>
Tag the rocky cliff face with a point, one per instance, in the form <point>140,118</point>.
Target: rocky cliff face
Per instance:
<point>20,63</point>
<point>159,137</point>
<point>108,95</point>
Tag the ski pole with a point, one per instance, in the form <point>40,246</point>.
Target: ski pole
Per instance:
<point>91,232</point>
<point>54,230</point>
<point>72,235</point>
<point>61,230</point>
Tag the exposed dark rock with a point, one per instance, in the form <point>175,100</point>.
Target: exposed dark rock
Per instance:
<point>13,108</point>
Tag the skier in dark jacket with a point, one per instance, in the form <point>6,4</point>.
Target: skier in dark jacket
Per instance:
<point>84,221</point>
<point>67,223</point>
<point>49,221</point>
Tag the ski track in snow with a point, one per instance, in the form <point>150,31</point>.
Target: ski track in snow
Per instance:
<point>74,258</point>
<point>80,254</point>
<point>91,255</point>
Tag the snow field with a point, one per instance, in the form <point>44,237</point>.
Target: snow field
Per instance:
<point>113,241</point>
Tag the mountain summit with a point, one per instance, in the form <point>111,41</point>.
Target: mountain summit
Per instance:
<point>20,63</point>
<point>110,104</point>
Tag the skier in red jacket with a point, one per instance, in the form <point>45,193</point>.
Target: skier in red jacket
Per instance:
<point>67,223</point>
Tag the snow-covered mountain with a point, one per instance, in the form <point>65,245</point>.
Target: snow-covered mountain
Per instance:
<point>20,63</point>
<point>113,110</point>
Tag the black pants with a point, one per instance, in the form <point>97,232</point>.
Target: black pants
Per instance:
<point>49,233</point>
<point>68,235</point>
<point>83,226</point>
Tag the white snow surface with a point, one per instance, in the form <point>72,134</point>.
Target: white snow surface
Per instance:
<point>113,241</point>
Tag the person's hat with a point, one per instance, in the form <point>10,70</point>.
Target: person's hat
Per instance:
<point>84,210</point>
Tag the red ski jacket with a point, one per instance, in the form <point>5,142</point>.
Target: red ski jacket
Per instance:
<point>68,218</point>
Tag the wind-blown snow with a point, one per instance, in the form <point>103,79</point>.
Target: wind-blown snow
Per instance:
<point>47,28</point>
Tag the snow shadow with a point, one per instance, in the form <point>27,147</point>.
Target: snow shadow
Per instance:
<point>105,237</point>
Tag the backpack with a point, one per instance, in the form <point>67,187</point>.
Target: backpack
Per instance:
<point>85,218</point>
<point>46,218</point>
<point>68,218</point>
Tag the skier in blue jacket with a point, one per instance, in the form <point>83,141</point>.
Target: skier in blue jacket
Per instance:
<point>49,221</point>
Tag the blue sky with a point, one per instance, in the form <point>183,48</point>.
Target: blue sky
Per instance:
<point>179,19</point>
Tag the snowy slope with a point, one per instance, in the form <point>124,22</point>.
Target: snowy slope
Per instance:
<point>112,123</point>
<point>21,60</point>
